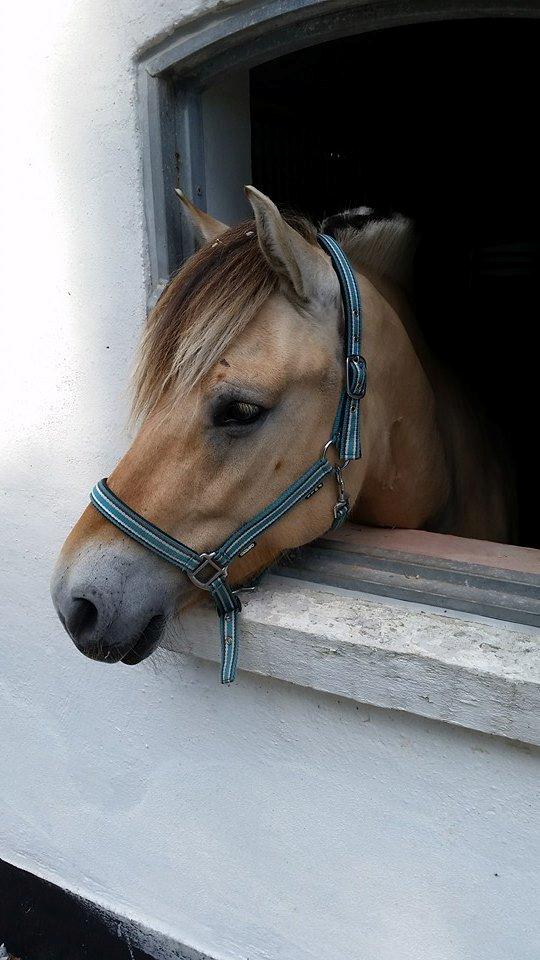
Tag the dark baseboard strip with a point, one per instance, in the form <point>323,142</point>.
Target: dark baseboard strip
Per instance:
<point>42,921</point>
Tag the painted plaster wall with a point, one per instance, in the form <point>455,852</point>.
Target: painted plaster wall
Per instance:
<point>263,821</point>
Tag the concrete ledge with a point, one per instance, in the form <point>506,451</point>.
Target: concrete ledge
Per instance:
<point>476,673</point>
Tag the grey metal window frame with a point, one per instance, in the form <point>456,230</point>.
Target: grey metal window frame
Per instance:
<point>172,75</point>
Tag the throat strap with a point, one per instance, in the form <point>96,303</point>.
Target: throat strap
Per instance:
<point>209,571</point>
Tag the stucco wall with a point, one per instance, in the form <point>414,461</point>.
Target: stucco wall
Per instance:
<point>264,821</point>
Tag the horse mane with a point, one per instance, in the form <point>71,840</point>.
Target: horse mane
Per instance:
<point>384,244</point>
<point>205,306</point>
<point>217,292</point>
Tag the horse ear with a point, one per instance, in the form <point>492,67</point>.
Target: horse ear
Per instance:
<point>205,226</point>
<point>302,266</point>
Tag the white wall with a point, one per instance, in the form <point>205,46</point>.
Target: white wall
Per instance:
<point>264,821</point>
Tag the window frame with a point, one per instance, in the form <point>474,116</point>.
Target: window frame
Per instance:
<point>173,73</point>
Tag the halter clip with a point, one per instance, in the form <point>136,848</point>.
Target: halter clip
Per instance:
<point>343,503</point>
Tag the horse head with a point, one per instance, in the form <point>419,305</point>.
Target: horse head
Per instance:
<point>239,375</point>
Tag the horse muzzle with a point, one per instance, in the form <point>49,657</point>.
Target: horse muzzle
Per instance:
<point>114,603</point>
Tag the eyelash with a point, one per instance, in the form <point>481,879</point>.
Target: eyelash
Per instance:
<point>238,413</point>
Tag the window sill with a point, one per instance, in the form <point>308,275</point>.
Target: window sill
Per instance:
<point>453,667</point>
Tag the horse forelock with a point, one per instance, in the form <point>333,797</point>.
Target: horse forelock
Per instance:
<point>219,290</point>
<point>206,305</point>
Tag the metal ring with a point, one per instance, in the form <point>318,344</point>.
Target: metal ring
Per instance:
<point>330,443</point>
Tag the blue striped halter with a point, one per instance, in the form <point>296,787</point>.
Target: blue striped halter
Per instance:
<point>209,571</point>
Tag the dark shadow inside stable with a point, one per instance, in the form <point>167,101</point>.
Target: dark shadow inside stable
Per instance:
<point>437,121</point>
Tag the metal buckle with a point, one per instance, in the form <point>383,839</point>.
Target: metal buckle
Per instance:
<point>207,561</point>
<point>352,362</point>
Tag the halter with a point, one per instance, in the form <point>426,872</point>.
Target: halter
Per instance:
<point>209,571</point>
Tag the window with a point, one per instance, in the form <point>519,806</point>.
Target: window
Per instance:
<point>452,144</point>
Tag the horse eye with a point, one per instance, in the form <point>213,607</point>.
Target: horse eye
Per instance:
<point>239,411</point>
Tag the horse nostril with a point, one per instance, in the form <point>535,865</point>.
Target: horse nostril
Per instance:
<point>82,617</point>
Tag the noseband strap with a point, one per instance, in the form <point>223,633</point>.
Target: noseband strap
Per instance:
<point>209,571</point>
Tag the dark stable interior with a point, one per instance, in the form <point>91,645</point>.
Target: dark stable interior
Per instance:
<point>438,121</point>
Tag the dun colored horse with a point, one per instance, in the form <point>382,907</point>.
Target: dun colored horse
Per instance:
<point>238,379</point>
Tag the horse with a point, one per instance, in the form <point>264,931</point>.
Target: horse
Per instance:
<point>239,373</point>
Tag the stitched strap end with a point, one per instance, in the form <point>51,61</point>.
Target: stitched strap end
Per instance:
<point>229,645</point>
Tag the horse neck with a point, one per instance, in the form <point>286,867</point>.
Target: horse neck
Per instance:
<point>402,478</point>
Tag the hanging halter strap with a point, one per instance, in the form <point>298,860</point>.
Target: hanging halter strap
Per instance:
<point>209,571</point>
